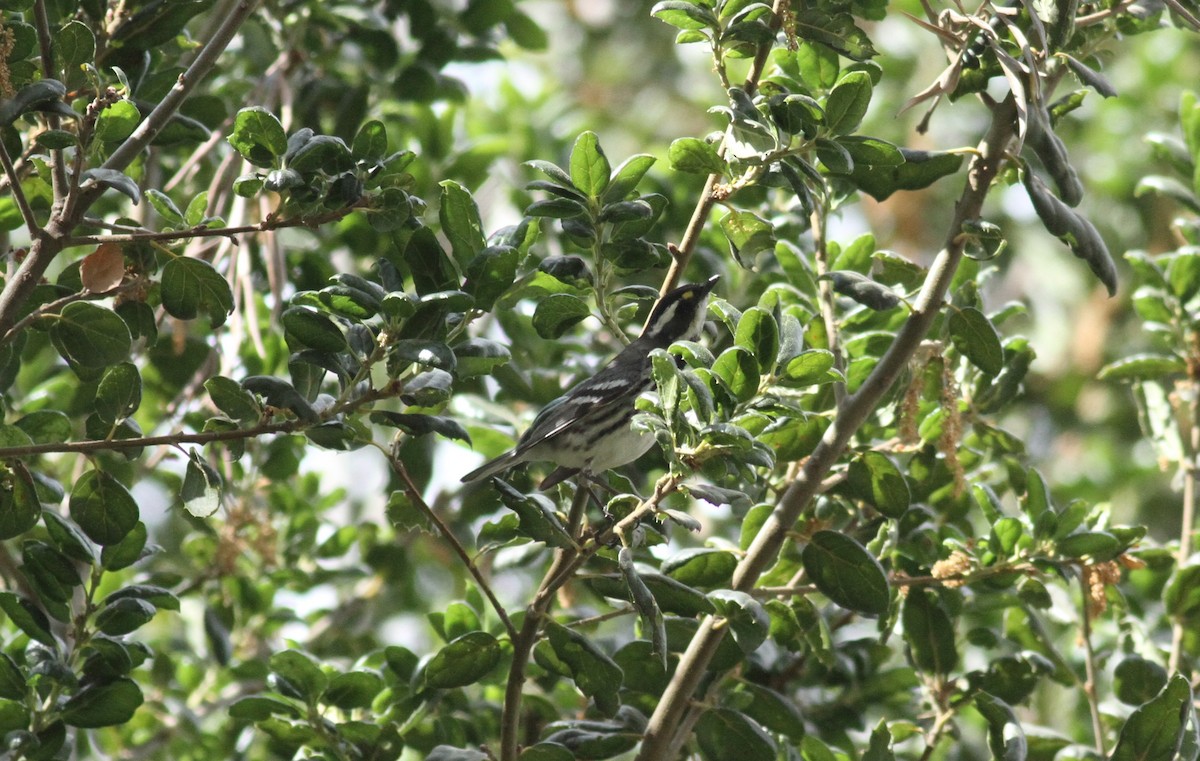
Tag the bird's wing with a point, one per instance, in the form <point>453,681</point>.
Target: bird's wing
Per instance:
<point>607,387</point>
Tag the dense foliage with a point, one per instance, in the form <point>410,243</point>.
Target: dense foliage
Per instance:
<point>924,490</point>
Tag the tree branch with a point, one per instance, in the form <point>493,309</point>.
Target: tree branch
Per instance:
<point>662,739</point>
<point>208,232</point>
<point>681,255</point>
<point>415,495</point>
<point>50,241</point>
<point>19,198</point>
<point>174,439</point>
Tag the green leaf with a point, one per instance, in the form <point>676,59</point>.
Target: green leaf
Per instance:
<point>1100,546</point>
<point>90,336</point>
<point>448,753</point>
<point>480,356</point>
<point>1006,738</point>
<point>556,208</point>
<point>428,353</point>
<point>463,661</point>
<point>12,681</point>
<point>128,551</point>
<point>19,505</point>
<point>352,689</point>
<point>538,520</point>
<point>595,674</point>
<point>123,616</point>
<point>793,438</point>
<point>701,567</point>
<point>165,207</point>
<point>649,614</point>
<point>695,156</point>
<point>119,393</point>
<point>739,369</point>
<point>160,597</point>
<point>920,169</point>
<point>846,573</point>
<point>875,479</point>
<point>758,333</point>
<point>195,214</point>
<point>590,169</point>
<point>863,289</point>
<point>259,707</point>
<point>723,733</point>
<point>809,368</point>
<point>280,394</point>
<point>748,234</point>
<point>847,102</point>
<point>201,489</point>
<point>102,705</point>
<point>670,595</point>
<point>111,179</point>
<point>684,14</point>
<point>837,32</point>
<point>371,142</point>
<point>419,425</point>
<point>312,329</point>
<point>298,674</point>
<point>626,177</point>
<point>230,398</point>
<point>44,94</point>
<point>774,711</point>
<point>929,633</point>
<point>976,339</point>
<point>429,389</point>
<point>68,537</point>
<point>745,616</point>
<point>117,122</point>
<point>258,136</point>
<point>28,618</point>
<point>558,313</point>
<point>102,507</point>
<point>74,47</point>
<point>490,274</point>
<point>1143,367</point>
<point>460,221</point>
<point>190,286</point>
<point>1183,275</point>
<point>1137,680</point>
<point>1155,730</point>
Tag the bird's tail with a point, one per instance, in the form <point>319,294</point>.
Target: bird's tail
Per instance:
<point>492,467</point>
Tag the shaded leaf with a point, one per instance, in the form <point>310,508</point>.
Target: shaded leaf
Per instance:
<point>846,573</point>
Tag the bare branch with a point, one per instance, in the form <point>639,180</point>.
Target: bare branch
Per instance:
<point>662,738</point>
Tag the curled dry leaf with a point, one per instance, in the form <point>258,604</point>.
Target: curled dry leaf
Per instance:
<point>103,269</point>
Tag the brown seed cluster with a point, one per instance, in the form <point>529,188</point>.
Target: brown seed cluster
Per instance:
<point>952,570</point>
<point>1097,579</point>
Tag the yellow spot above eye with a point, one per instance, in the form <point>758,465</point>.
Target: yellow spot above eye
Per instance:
<point>688,295</point>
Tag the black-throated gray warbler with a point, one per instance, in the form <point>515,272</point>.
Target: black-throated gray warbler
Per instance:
<point>588,428</point>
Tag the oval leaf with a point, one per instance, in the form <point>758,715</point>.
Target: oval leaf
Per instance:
<point>846,573</point>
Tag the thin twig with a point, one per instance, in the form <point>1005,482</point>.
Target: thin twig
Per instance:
<point>826,298</point>
<point>662,739</point>
<point>414,494</point>
<point>523,641</point>
<point>1187,524</point>
<point>41,21</point>
<point>1089,663</point>
<point>173,439</point>
<point>50,243</point>
<point>209,232</point>
<point>681,255</point>
<point>14,182</point>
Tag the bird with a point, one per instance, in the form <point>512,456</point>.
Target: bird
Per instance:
<point>587,430</point>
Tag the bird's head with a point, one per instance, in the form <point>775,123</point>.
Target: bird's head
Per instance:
<point>679,314</point>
